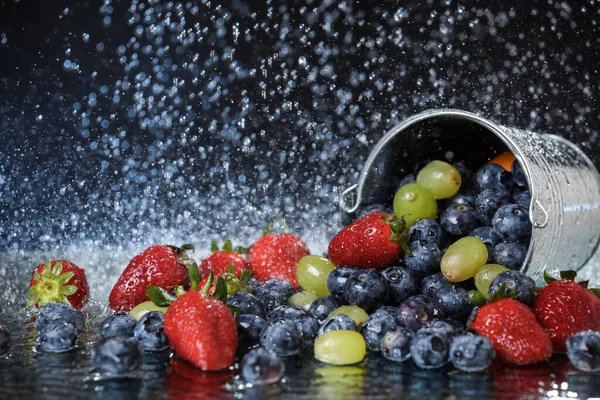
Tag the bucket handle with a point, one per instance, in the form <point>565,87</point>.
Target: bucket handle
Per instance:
<point>349,199</point>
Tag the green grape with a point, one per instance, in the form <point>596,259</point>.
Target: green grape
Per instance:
<point>485,275</point>
<point>138,311</point>
<point>414,202</point>
<point>302,299</point>
<point>356,313</point>
<point>441,178</point>
<point>340,347</point>
<point>312,273</point>
<point>463,258</point>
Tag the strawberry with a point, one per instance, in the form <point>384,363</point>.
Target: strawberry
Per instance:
<point>58,281</point>
<point>376,241</point>
<point>566,307</point>
<point>276,255</point>
<point>161,266</point>
<point>514,331</point>
<point>202,330</point>
<point>221,259</point>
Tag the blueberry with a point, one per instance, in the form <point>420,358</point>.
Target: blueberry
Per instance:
<point>119,324</point>
<point>249,327</point>
<point>459,220</point>
<point>252,283</point>
<point>583,350</point>
<point>280,285</point>
<point>488,202</point>
<point>524,199</point>
<point>453,301</point>
<point>376,326</point>
<point>488,236</point>
<point>149,332</point>
<point>261,366</point>
<point>337,279</point>
<point>518,174</point>
<point>512,255</point>
<point>246,303</point>
<point>323,306</point>
<point>493,176</point>
<point>464,198</point>
<point>512,223</point>
<point>60,312</point>
<point>283,337</point>
<point>374,207</point>
<point>395,344</point>
<point>466,176</point>
<point>4,341</point>
<point>367,289</point>
<point>269,298</point>
<point>517,282</point>
<point>340,322</point>
<point>415,312</point>
<point>402,284</point>
<point>117,355</point>
<point>427,231</point>
<point>471,353</point>
<point>432,283</point>
<point>424,258</point>
<point>429,348</point>
<point>57,336</point>
<point>452,326</point>
<point>287,312</point>
<point>306,323</point>
<point>410,178</point>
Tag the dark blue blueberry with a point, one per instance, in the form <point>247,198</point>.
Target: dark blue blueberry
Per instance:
<point>246,303</point>
<point>337,279</point>
<point>452,326</point>
<point>149,332</point>
<point>493,176</point>
<point>471,353</point>
<point>57,336</point>
<point>424,258</point>
<point>283,337</point>
<point>281,286</point>
<point>415,312</point>
<point>307,324</point>
<point>261,366</point>
<point>512,255</point>
<point>459,220</point>
<point>249,327</point>
<point>117,355</point>
<point>269,298</point>
<point>453,301</point>
<point>340,322</point>
<point>472,316</point>
<point>367,289</point>
<point>488,202</point>
<point>429,348</point>
<point>488,236</point>
<point>252,283</point>
<point>402,284</point>
<point>583,350</point>
<point>519,174</point>
<point>287,312</point>
<point>464,198</point>
<point>410,178</point>
<point>432,283</point>
<point>512,223</point>
<point>428,231</point>
<point>517,282</point>
<point>376,325</point>
<point>4,341</point>
<point>373,208</point>
<point>466,176</point>
<point>60,312</point>
<point>119,324</point>
<point>323,306</point>
<point>395,344</point>
<point>524,199</point>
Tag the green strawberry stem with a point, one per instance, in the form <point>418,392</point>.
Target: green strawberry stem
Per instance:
<point>227,246</point>
<point>159,296</point>
<point>51,286</point>
<point>477,298</point>
<point>399,231</point>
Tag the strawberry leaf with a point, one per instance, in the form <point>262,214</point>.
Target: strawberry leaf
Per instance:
<point>57,269</point>
<point>501,293</point>
<point>584,283</point>
<point>548,278</point>
<point>241,249</point>
<point>214,247</point>
<point>230,269</point>
<point>246,274</point>
<point>596,291</point>
<point>270,224</point>
<point>188,247</point>
<point>227,246</point>
<point>209,282</point>
<point>194,274</point>
<point>476,298</point>
<point>220,292</point>
<point>159,296</point>
<point>570,274</point>
<point>178,290</point>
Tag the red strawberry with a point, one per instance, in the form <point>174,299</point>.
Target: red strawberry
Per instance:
<point>202,330</point>
<point>220,260</point>
<point>162,266</point>
<point>58,281</point>
<point>516,335</point>
<point>564,308</point>
<point>373,241</point>
<point>276,256</point>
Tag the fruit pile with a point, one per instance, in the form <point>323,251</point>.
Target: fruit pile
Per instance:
<point>434,280</point>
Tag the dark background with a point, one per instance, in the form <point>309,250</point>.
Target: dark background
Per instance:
<point>128,122</point>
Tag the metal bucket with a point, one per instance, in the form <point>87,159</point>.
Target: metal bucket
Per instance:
<point>564,183</point>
